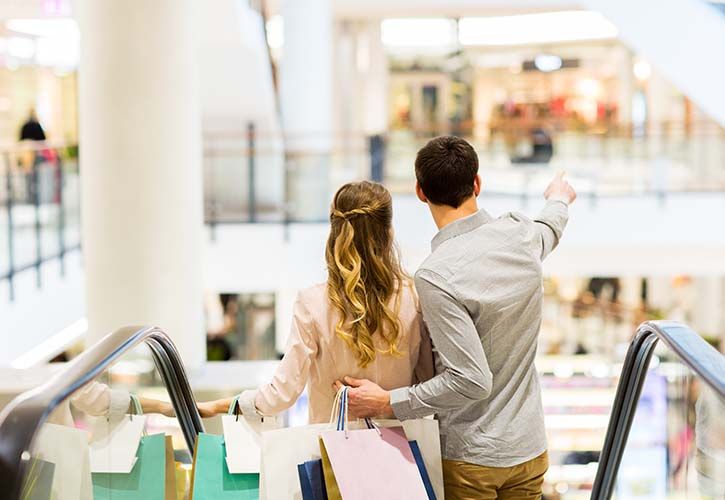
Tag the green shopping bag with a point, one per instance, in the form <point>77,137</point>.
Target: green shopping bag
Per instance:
<point>147,479</point>
<point>212,480</point>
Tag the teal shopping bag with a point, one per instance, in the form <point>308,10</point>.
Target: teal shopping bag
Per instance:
<point>212,479</point>
<point>146,481</point>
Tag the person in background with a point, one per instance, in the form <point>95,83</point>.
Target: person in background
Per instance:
<point>32,130</point>
<point>481,295</point>
<point>363,321</point>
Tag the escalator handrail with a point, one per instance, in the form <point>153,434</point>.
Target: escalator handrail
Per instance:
<point>22,418</point>
<point>690,348</point>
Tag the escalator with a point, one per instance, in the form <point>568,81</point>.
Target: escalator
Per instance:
<point>666,433</point>
<point>681,446</point>
<point>44,432</point>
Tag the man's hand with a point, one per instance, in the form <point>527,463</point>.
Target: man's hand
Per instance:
<point>366,399</point>
<point>559,189</point>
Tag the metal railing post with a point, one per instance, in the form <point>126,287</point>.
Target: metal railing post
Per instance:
<point>36,202</point>
<point>9,208</point>
<point>251,197</point>
<point>61,216</point>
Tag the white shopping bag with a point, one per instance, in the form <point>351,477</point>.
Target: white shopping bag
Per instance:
<point>282,451</point>
<point>67,448</point>
<point>243,441</point>
<point>114,444</point>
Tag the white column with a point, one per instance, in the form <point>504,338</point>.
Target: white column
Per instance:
<point>141,177</point>
<point>376,79</point>
<point>306,102</point>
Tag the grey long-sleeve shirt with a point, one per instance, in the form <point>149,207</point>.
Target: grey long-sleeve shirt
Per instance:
<point>481,294</point>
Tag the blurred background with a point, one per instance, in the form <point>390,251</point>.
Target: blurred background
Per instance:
<point>172,163</point>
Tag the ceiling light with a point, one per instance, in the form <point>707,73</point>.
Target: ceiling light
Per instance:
<point>49,28</point>
<point>21,47</point>
<point>418,32</point>
<point>547,62</point>
<point>642,70</point>
<point>526,29</point>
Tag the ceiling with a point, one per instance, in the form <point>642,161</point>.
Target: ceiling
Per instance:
<point>348,9</point>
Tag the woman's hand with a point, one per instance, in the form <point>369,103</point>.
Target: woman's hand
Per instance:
<point>208,409</point>
<point>156,406</point>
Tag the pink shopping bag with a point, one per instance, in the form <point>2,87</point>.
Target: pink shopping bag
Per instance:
<point>374,463</point>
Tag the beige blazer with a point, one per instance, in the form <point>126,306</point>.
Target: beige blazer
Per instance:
<point>316,357</point>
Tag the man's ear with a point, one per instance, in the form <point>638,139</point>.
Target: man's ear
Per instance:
<point>477,185</point>
<point>419,192</point>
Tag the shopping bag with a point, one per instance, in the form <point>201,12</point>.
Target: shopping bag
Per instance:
<point>421,468</point>
<point>425,433</point>
<point>211,479</point>
<point>66,448</point>
<point>372,463</point>
<point>38,481</point>
<point>331,486</point>
<point>312,481</point>
<point>170,471</point>
<point>242,438</point>
<point>283,450</point>
<point>146,481</point>
<point>381,456</point>
<point>114,444</point>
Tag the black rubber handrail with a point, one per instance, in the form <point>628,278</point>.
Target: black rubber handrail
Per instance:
<point>22,418</point>
<point>691,349</point>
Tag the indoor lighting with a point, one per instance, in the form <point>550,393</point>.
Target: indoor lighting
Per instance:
<point>547,27</point>
<point>642,70</point>
<point>547,63</point>
<point>589,88</point>
<point>418,32</point>
<point>57,53</point>
<point>48,28</point>
<point>21,47</point>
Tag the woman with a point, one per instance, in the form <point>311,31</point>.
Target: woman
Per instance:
<point>363,322</point>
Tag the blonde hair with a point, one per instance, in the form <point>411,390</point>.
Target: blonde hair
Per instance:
<point>364,271</point>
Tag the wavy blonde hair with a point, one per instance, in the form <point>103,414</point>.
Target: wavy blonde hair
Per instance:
<point>364,271</point>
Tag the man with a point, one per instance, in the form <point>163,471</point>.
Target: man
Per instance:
<point>480,293</point>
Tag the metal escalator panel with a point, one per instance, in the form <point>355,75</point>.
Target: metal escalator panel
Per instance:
<point>666,437</point>
<point>119,418</point>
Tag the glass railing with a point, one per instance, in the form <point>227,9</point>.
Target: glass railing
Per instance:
<point>262,176</point>
<point>258,176</point>
<point>609,162</point>
<point>666,436</point>
<point>39,210</point>
<point>110,424</point>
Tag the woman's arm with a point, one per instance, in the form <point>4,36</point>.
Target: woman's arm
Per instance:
<point>98,399</point>
<point>289,379</point>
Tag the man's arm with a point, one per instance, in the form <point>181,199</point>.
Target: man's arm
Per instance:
<point>552,220</point>
<point>465,377</point>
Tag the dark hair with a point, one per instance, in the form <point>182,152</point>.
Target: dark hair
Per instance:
<point>445,170</point>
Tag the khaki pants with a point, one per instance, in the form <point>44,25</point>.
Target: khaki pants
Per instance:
<point>465,481</point>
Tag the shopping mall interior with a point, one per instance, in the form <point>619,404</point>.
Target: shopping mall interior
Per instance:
<point>170,164</point>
